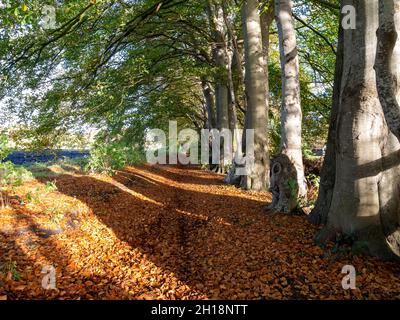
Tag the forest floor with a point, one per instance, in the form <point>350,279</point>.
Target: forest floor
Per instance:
<point>165,232</point>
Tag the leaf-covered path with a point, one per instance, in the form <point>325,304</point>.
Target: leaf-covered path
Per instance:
<point>169,233</point>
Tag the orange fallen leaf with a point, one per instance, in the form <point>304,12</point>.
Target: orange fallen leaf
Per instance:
<point>20,287</point>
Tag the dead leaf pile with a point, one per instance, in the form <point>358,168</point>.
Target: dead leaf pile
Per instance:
<point>166,232</point>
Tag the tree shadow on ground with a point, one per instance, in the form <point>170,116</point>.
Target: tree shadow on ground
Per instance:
<point>197,176</point>
<point>206,240</point>
<point>31,246</point>
<point>218,243</point>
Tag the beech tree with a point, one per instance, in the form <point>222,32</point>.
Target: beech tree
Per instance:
<point>362,204</point>
<point>221,61</point>
<point>288,184</point>
<point>257,108</point>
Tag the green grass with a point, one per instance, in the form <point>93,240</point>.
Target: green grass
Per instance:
<point>10,266</point>
<point>43,169</point>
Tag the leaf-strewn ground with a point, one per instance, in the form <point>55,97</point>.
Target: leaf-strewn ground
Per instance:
<point>169,233</point>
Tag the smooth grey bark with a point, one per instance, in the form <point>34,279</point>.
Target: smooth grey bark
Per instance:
<point>365,200</point>
<point>231,49</point>
<point>387,67</point>
<point>387,63</point>
<point>221,61</point>
<point>266,19</point>
<point>236,65</point>
<point>231,177</point>
<point>233,52</point>
<point>291,114</point>
<point>238,70</point>
<point>319,215</point>
<point>257,109</point>
<point>232,107</point>
<point>209,103</point>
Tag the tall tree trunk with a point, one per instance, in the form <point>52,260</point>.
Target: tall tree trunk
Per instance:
<point>257,110</point>
<point>232,110</point>
<point>319,214</point>
<point>238,69</point>
<point>387,59</point>
<point>365,204</point>
<point>266,19</point>
<point>387,66</point>
<point>291,116</point>
<point>231,177</point>
<point>221,61</point>
<point>209,102</point>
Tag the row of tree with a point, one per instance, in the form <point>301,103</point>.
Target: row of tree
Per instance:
<point>359,198</point>
<point>124,67</point>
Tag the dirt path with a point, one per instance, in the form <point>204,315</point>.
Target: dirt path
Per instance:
<point>170,233</point>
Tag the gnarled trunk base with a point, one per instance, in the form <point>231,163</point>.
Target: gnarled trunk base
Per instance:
<point>284,186</point>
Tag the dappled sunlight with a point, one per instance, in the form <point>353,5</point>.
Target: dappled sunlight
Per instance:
<point>195,181</point>
<point>154,232</point>
<point>131,192</point>
<point>89,259</point>
<point>203,217</point>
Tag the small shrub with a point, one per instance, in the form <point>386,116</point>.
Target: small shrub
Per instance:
<point>11,175</point>
<point>313,188</point>
<point>29,197</point>
<point>50,186</point>
<point>35,195</point>
<point>10,266</point>
<point>313,180</point>
<point>4,147</point>
<point>108,157</point>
